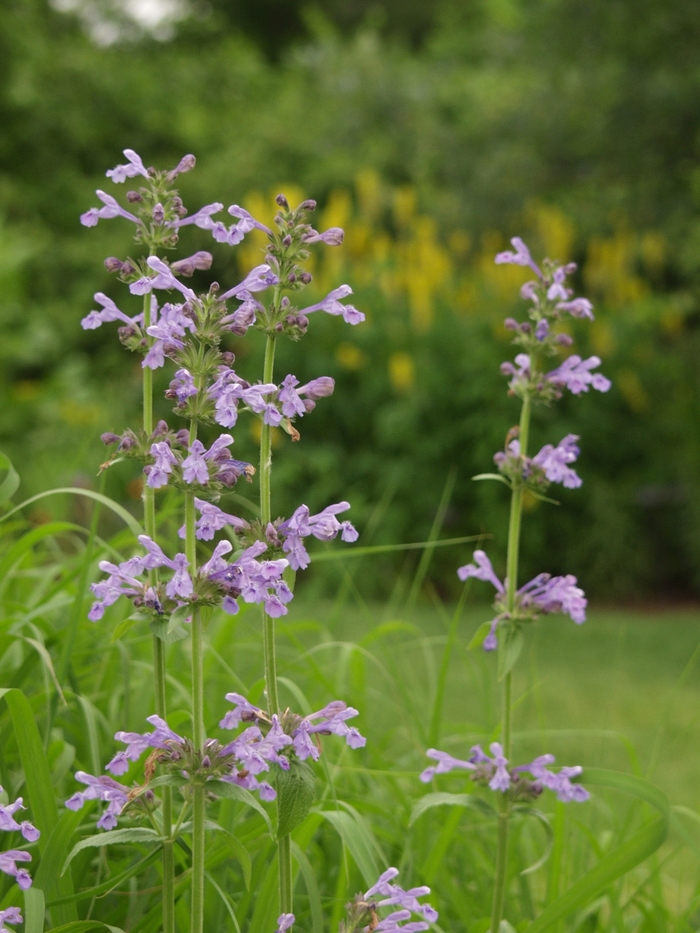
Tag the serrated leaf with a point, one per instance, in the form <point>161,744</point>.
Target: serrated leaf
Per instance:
<point>296,790</point>
<point>113,837</point>
<point>234,792</point>
<point>510,645</point>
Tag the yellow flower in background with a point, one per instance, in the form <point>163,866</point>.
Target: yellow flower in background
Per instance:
<point>402,372</point>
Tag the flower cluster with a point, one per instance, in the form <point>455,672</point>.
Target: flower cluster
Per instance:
<point>296,731</point>
<point>542,595</point>
<point>495,774</point>
<point>550,298</point>
<point>550,465</point>
<point>215,582</point>
<point>10,858</point>
<point>363,910</point>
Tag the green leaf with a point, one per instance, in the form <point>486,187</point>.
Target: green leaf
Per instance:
<point>441,799</point>
<point>344,553</point>
<point>161,628</point>
<point>296,790</point>
<point>9,483</point>
<point>312,889</point>
<point>358,839</point>
<point>511,643</point>
<point>622,858</point>
<point>495,476</point>
<point>119,510</point>
<point>112,882</point>
<point>234,792</point>
<point>81,926</point>
<point>549,832</point>
<point>40,792</point>
<point>34,908</point>
<point>113,837</point>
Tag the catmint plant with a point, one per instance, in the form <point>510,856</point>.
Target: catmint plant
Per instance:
<point>533,380</point>
<point>175,593</point>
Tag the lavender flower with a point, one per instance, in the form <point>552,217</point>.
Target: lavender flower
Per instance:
<point>186,164</point>
<point>246,223</point>
<point>195,467</point>
<point>290,396</point>
<point>554,461</point>
<point>332,722</point>
<point>200,260</point>
<point>331,304</point>
<point>542,595</point>
<point>9,915</point>
<point>137,743</point>
<point>324,526</point>
<point>494,773</point>
<point>165,460</point>
<point>102,788</point>
<point>182,386</point>
<point>579,307</point>
<point>242,710</point>
<point>168,331</point>
<point>256,581</point>
<point>259,278</point>
<point>111,209</point>
<point>408,900</point>
<point>575,374</point>
<point>211,520</point>
<point>521,256</point>
<point>9,824</point>
<point>332,237</point>
<point>8,866</point>
<point>134,168</point>
<point>284,922</point>
<point>164,279</point>
<point>201,219</point>
<point>109,312</point>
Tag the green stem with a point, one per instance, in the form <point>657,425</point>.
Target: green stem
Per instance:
<point>284,848</point>
<point>149,522</point>
<point>516,511</point>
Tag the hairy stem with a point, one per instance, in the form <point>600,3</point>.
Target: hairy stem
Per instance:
<point>284,848</point>
<point>149,523</point>
<point>516,510</point>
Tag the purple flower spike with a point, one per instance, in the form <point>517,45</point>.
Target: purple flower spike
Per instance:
<point>557,289</point>
<point>8,866</point>
<point>331,304</point>
<point>9,915</point>
<point>166,279</point>
<point>482,570</point>
<point>575,375</point>
<point>445,764</point>
<point>521,256</point>
<point>284,922</point>
<point>393,895</point>
<point>246,223</point>
<point>111,209</point>
<point>501,779</point>
<point>194,467</point>
<point>182,386</point>
<point>211,520</point>
<point>134,168</point>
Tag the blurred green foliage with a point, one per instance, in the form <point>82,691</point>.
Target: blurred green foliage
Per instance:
<point>432,132</point>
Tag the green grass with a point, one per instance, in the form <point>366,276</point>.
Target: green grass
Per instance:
<point>619,692</point>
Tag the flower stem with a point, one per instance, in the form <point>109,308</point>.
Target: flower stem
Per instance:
<point>284,848</point>
<point>149,523</point>
<point>198,736</point>
<point>516,510</point>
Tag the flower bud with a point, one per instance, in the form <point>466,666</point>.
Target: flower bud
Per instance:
<point>309,205</point>
<point>279,327</point>
<point>309,405</point>
<point>291,278</point>
<point>214,288</point>
<point>183,437</point>
<point>319,388</point>
<point>564,340</point>
<point>511,324</point>
<point>186,164</point>
<point>284,303</point>
<point>112,264</point>
<point>127,268</point>
<point>206,762</point>
<point>302,321</point>
<point>228,358</point>
<point>306,278</point>
<point>109,438</point>
<point>200,260</point>
<point>158,213</point>
<point>281,201</point>
<point>133,197</point>
<point>525,327</point>
<point>161,428</point>
<point>287,241</point>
